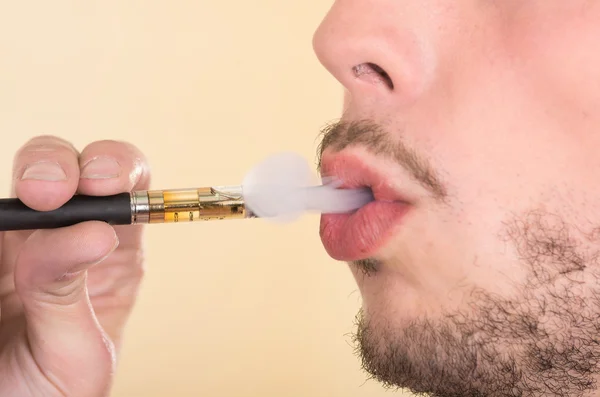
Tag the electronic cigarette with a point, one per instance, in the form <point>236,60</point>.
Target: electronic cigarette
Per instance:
<point>280,188</point>
<point>138,207</point>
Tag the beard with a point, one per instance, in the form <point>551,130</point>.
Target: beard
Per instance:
<point>543,340</point>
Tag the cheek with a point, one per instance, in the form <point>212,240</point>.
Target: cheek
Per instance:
<point>556,46</point>
<point>491,169</point>
<point>489,136</point>
<point>440,256</point>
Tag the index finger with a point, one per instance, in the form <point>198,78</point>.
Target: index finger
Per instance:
<point>110,167</point>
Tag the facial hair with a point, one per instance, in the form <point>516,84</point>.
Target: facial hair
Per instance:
<point>545,341</point>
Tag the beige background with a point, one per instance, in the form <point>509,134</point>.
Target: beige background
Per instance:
<point>206,89</point>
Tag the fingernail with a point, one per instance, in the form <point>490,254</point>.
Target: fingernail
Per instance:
<point>101,168</point>
<point>44,171</point>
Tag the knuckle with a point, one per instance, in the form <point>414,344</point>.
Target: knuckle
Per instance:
<point>104,144</point>
<point>44,148</point>
<point>50,150</point>
<point>132,147</point>
<point>121,149</point>
<point>132,150</point>
<point>109,144</point>
<point>135,168</point>
<point>64,291</point>
<point>42,142</point>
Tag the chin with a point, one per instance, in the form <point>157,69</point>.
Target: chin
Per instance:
<point>392,304</point>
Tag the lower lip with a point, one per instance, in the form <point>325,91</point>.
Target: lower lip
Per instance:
<point>358,235</point>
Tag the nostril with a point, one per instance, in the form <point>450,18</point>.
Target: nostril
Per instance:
<point>386,77</point>
<point>373,73</point>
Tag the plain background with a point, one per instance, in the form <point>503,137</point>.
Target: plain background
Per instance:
<point>206,89</point>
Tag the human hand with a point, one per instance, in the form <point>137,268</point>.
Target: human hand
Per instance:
<point>66,293</point>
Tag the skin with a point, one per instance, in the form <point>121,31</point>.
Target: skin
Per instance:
<point>490,284</point>
<point>66,294</point>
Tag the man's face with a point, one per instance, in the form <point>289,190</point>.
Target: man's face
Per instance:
<point>477,125</point>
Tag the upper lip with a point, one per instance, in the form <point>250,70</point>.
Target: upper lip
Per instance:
<point>354,172</point>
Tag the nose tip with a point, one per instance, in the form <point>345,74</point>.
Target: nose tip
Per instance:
<point>341,56</point>
<point>372,53</point>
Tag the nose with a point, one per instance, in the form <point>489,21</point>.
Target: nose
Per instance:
<point>371,48</point>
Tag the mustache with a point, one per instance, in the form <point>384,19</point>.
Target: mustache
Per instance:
<point>370,135</point>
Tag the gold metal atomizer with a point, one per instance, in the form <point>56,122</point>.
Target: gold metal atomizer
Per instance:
<point>188,205</point>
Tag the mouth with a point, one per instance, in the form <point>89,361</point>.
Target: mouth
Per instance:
<point>360,234</point>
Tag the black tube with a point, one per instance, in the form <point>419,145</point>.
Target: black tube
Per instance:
<point>114,210</point>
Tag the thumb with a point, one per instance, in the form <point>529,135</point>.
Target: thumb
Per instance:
<point>66,341</point>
